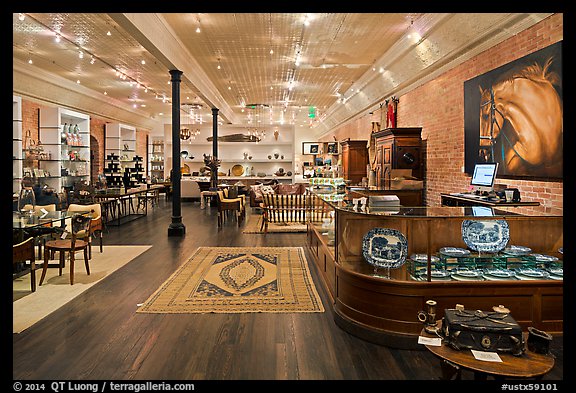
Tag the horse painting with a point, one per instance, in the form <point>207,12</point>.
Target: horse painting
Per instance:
<point>521,122</point>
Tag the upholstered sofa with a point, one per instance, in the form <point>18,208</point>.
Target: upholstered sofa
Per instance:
<point>256,191</point>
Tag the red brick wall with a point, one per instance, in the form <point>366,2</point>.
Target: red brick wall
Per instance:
<point>97,127</point>
<point>438,107</point>
<point>30,118</point>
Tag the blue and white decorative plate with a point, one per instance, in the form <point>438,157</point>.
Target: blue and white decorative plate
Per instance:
<point>499,274</point>
<point>435,275</point>
<point>556,271</point>
<point>531,274</point>
<point>384,247</point>
<point>517,250</point>
<point>485,236</point>
<point>423,258</point>
<point>454,251</point>
<point>466,275</point>
<point>544,258</point>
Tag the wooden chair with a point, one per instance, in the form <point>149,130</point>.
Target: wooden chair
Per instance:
<point>96,226</point>
<point>80,225</point>
<point>23,252</point>
<point>227,205</point>
<point>151,198</point>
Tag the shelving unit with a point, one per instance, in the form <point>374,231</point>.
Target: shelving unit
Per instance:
<point>327,151</point>
<point>17,156</point>
<point>134,173</point>
<point>156,158</point>
<point>120,153</point>
<point>67,151</point>
<point>263,153</point>
<point>120,139</point>
<point>112,171</point>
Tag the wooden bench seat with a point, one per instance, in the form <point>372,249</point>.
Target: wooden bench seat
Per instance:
<point>291,208</point>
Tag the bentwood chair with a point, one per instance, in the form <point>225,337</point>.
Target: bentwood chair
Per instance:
<point>80,225</point>
<point>23,252</point>
<point>96,226</point>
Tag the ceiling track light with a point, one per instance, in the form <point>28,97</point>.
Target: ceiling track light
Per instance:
<point>58,37</point>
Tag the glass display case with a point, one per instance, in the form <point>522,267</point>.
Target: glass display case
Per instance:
<point>523,268</point>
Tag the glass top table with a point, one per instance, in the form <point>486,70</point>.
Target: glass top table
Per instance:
<point>30,220</point>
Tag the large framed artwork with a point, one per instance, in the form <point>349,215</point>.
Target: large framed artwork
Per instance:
<point>513,115</point>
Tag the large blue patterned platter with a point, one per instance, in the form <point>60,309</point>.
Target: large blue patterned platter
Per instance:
<point>384,247</point>
<point>485,236</point>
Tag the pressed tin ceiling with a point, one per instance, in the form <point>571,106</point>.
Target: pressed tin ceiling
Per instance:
<point>336,65</point>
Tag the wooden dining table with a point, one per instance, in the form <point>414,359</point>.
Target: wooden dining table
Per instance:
<point>121,204</point>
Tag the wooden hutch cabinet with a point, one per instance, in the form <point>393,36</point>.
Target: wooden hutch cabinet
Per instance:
<point>398,148</point>
<point>354,160</point>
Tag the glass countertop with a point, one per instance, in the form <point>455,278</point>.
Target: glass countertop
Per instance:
<point>343,202</point>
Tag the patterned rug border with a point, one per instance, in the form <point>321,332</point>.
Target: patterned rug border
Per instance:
<point>296,291</point>
<point>252,226</point>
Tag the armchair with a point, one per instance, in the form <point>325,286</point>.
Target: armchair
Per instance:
<point>227,205</point>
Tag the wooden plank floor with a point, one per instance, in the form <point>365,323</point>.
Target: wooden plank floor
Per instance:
<point>99,336</point>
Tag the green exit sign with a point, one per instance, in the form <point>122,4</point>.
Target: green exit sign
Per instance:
<point>311,112</point>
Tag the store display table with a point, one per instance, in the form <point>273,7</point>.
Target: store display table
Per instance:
<point>528,365</point>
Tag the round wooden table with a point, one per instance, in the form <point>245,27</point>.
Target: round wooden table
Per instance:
<point>528,365</point>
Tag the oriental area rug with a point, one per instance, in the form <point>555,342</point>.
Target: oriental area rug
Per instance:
<point>254,223</point>
<point>238,280</point>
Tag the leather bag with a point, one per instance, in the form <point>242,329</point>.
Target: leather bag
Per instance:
<point>482,330</point>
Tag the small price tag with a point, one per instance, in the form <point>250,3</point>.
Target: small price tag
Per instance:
<point>64,234</point>
<point>433,341</point>
<point>486,356</point>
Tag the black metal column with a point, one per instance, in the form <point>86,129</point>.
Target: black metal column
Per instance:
<point>176,228</point>
<point>215,145</point>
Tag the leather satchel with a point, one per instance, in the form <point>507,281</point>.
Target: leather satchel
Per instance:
<point>483,331</point>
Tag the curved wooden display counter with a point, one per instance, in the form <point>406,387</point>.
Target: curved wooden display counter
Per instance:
<point>384,309</point>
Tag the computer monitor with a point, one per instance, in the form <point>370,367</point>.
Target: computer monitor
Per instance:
<point>482,211</point>
<point>483,176</point>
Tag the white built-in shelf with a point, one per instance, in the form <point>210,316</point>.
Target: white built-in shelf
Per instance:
<point>54,127</point>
